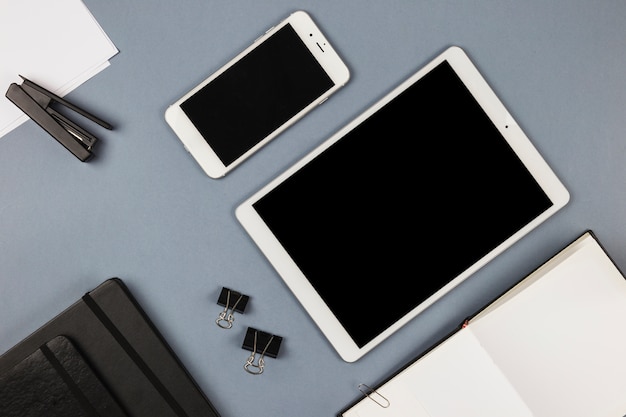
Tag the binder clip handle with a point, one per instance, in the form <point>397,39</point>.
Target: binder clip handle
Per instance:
<point>228,319</point>
<point>250,364</point>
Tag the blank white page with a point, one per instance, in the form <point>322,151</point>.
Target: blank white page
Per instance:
<point>561,340</point>
<point>456,379</point>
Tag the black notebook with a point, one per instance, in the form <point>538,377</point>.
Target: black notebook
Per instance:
<point>102,356</point>
<point>55,381</point>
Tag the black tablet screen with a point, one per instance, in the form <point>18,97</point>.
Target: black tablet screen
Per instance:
<point>429,167</point>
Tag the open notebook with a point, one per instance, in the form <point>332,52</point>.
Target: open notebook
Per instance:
<point>553,345</point>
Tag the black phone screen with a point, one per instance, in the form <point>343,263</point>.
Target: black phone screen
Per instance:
<point>257,95</point>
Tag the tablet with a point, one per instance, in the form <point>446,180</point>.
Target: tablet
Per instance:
<point>402,204</point>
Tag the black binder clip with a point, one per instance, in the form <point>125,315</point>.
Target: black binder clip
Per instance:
<point>232,301</point>
<point>255,341</point>
<point>35,101</point>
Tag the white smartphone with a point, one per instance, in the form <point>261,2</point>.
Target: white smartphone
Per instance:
<point>258,94</point>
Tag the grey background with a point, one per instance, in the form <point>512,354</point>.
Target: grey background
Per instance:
<point>144,211</point>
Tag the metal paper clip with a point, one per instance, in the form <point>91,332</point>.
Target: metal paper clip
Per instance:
<point>227,315</point>
<point>368,392</point>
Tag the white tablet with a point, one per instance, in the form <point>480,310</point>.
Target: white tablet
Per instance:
<point>402,204</point>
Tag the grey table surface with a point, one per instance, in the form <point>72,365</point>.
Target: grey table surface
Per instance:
<point>144,211</point>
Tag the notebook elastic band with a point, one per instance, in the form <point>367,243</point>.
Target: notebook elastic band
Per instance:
<point>119,337</point>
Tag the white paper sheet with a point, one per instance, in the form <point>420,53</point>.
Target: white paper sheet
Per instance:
<point>57,44</point>
<point>561,341</point>
<point>458,378</point>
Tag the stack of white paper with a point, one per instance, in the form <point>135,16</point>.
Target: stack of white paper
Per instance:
<point>56,44</point>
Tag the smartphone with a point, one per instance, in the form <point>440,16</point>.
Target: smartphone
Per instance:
<point>258,94</point>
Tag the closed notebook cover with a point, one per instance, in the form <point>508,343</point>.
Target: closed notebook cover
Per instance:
<point>125,350</point>
<point>55,381</point>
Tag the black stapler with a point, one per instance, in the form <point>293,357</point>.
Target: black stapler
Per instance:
<point>35,101</point>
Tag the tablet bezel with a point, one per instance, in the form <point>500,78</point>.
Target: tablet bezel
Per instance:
<point>297,281</point>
